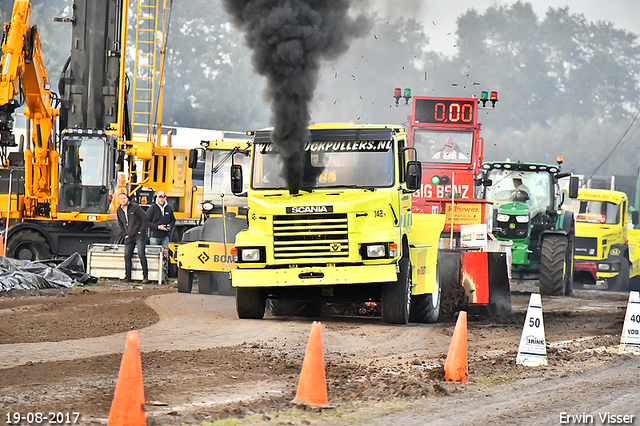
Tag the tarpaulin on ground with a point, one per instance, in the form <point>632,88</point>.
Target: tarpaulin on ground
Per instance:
<point>24,275</point>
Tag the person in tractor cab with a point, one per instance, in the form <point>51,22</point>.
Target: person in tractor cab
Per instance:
<point>450,151</point>
<point>520,192</point>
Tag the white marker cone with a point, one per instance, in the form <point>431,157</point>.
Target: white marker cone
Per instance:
<point>532,351</point>
<point>630,339</point>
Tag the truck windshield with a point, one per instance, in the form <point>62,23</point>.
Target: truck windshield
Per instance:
<point>217,174</point>
<point>534,188</point>
<point>329,164</point>
<point>84,175</point>
<point>590,211</point>
<point>435,146</point>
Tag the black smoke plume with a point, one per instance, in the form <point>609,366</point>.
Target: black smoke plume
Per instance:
<point>289,38</point>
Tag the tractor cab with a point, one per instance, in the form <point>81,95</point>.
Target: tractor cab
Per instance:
<point>520,197</point>
<point>527,211</point>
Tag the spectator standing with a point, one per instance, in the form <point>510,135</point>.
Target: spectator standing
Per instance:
<point>161,220</point>
<point>133,223</point>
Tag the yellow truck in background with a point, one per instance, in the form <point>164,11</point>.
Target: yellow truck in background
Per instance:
<point>348,234</point>
<point>205,251</point>
<point>607,247</point>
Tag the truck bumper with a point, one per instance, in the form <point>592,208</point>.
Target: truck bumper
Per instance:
<point>599,270</point>
<point>314,276</point>
<point>586,266</point>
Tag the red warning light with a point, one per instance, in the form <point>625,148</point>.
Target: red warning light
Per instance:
<point>493,98</point>
<point>397,93</point>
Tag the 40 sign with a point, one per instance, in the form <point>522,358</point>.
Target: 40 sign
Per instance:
<point>630,338</point>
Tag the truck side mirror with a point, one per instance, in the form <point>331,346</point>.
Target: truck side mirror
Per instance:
<point>413,175</point>
<point>193,158</point>
<point>236,179</point>
<point>574,184</point>
<point>635,217</point>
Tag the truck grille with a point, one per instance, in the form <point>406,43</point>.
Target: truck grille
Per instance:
<point>586,246</point>
<point>310,236</point>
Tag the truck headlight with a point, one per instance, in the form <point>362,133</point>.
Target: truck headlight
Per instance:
<point>604,267</point>
<point>251,254</point>
<point>522,219</point>
<point>207,207</point>
<point>502,217</point>
<point>374,251</point>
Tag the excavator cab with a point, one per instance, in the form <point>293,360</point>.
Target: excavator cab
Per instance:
<point>87,171</point>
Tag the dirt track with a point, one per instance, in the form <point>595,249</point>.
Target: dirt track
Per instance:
<point>61,352</point>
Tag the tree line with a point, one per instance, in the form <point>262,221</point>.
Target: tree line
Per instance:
<point>566,86</point>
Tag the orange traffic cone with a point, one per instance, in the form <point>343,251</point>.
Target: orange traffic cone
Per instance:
<point>127,407</point>
<point>456,366</point>
<point>312,388</point>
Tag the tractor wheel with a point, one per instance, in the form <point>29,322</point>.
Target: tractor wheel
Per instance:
<point>556,266</point>
<point>28,245</point>
<point>396,297</point>
<point>425,308</point>
<point>290,308</point>
<point>185,281</point>
<point>250,302</point>
<point>621,281</point>
<point>206,283</point>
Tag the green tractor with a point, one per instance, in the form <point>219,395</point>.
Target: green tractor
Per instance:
<point>527,211</point>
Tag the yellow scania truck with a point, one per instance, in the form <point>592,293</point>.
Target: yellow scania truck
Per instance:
<point>347,235</point>
<point>606,248</point>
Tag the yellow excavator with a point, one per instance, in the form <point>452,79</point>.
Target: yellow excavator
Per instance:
<point>30,179</point>
<point>57,190</point>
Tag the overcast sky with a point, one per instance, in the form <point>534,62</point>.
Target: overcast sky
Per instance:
<point>440,16</point>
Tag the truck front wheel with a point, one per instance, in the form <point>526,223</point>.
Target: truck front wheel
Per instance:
<point>396,297</point>
<point>425,308</point>
<point>556,266</point>
<point>250,302</point>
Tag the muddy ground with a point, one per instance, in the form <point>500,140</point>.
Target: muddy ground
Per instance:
<point>60,352</point>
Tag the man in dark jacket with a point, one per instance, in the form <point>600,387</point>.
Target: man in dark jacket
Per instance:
<point>161,220</point>
<point>133,224</point>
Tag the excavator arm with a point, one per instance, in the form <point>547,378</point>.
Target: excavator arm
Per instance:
<point>24,76</point>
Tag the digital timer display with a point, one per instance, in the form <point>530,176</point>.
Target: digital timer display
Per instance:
<point>447,111</point>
